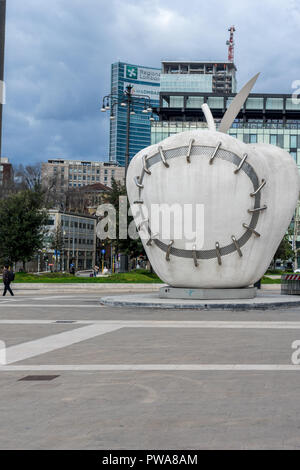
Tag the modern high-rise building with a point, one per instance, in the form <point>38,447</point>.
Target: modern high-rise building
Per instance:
<point>145,81</point>
<point>264,118</point>
<point>197,76</point>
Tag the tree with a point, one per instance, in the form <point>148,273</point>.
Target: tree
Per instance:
<point>22,218</point>
<point>56,243</point>
<point>128,246</point>
<point>284,251</point>
<point>29,176</point>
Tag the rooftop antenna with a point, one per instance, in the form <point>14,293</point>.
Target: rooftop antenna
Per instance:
<point>230,44</point>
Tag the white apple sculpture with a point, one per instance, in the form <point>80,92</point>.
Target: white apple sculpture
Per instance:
<point>248,194</point>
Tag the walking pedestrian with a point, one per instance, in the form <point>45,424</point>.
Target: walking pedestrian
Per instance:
<point>96,270</point>
<point>8,277</point>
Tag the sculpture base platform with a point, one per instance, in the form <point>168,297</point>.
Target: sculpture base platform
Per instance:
<point>265,300</point>
<point>168,292</point>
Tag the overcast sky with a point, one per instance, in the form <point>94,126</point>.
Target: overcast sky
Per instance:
<point>59,52</point>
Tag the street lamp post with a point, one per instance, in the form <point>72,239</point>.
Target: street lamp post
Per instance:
<point>128,99</point>
<point>128,93</point>
<point>2,48</point>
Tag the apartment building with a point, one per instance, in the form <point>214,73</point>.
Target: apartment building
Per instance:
<point>78,241</point>
<point>6,171</point>
<point>67,174</point>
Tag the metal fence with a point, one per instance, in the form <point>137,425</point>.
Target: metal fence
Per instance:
<point>290,284</point>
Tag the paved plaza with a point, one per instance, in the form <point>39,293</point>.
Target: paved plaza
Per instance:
<point>119,378</point>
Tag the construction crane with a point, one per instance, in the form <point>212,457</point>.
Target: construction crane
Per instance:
<point>230,44</point>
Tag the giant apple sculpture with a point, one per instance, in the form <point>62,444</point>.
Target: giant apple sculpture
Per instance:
<point>248,194</point>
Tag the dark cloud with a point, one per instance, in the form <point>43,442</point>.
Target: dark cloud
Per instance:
<point>59,52</point>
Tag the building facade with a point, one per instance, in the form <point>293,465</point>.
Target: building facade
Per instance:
<point>77,245</point>
<point>6,172</point>
<point>145,81</point>
<point>75,173</point>
<point>197,76</point>
<point>264,118</point>
<point>85,200</point>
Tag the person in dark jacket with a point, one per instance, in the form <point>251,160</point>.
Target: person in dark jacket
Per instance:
<point>7,278</point>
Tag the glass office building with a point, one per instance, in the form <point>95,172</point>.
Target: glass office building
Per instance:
<point>198,76</point>
<point>145,81</point>
<point>265,118</point>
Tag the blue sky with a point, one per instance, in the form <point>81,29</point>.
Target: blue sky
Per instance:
<point>58,56</point>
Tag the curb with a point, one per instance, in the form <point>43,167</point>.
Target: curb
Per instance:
<point>240,307</point>
<point>260,303</point>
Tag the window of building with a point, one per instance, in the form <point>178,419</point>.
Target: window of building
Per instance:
<point>253,138</point>
<point>294,155</point>
<point>273,139</point>
<point>292,104</point>
<point>293,142</point>
<point>255,103</point>
<point>176,101</point>
<point>280,140</point>
<point>216,102</point>
<point>274,103</point>
<point>194,101</point>
<point>50,222</point>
